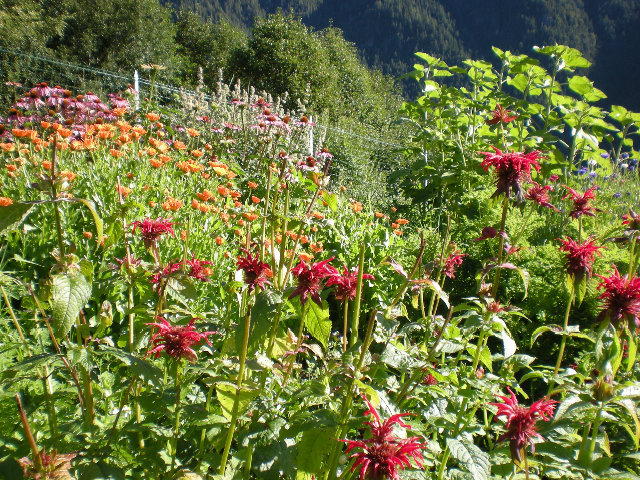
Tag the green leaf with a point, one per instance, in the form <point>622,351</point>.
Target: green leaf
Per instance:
<point>139,366</point>
<point>262,314</point>
<point>318,323</point>
<point>71,291</point>
<point>12,216</point>
<point>227,394</point>
<point>332,201</point>
<point>580,85</point>
<point>471,457</point>
<point>96,219</point>
<point>314,446</point>
<point>485,356</point>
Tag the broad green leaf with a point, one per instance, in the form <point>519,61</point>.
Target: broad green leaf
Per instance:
<point>227,394</point>
<point>313,448</point>
<point>630,407</point>
<point>139,366</point>
<point>471,457</point>
<point>12,216</point>
<point>71,291</point>
<point>263,313</point>
<point>580,85</point>
<point>318,323</point>
<point>332,201</point>
<point>485,356</point>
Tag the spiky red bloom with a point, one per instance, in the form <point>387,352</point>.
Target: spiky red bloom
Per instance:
<point>166,272</point>
<point>256,272</point>
<point>521,422</point>
<point>580,256</point>
<point>346,284</point>
<point>581,202</point>
<point>622,298</point>
<point>197,269</point>
<point>151,230</point>
<point>632,221</point>
<point>383,453</point>
<point>176,340</point>
<point>453,261</point>
<point>511,169</point>
<point>310,280</point>
<point>539,194</point>
<point>54,465</point>
<point>501,115</point>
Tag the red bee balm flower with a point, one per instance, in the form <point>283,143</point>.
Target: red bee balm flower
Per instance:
<point>501,115</point>
<point>453,261</point>
<point>151,230</point>
<point>521,422</point>
<point>511,168</point>
<point>381,454</point>
<point>539,194</point>
<point>198,270</point>
<point>177,340</point>
<point>346,284</point>
<point>581,202</point>
<point>310,280</point>
<point>580,257</point>
<point>622,298</point>
<point>256,272</point>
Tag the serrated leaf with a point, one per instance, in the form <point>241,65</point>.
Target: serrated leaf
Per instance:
<point>331,200</point>
<point>12,216</point>
<point>96,219</point>
<point>139,366</point>
<point>471,457</point>
<point>227,393</point>
<point>262,314</point>
<point>71,291</point>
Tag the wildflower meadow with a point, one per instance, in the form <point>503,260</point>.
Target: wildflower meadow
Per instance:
<point>188,291</point>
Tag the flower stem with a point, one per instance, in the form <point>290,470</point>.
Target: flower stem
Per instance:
<point>305,310</point>
<point>563,342</point>
<point>236,400</point>
<point>346,325</point>
<point>176,426</point>
<point>54,197</point>
<point>356,309</point>
<point>37,461</point>
<point>503,221</point>
<point>594,433</point>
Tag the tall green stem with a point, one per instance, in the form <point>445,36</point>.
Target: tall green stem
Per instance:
<point>356,309</point>
<point>503,221</point>
<point>563,342</point>
<point>236,400</point>
<point>176,426</point>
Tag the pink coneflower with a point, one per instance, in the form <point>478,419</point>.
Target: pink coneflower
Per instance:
<point>501,115</point>
<point>346,284</point>
<point>310,280</point>
<point>256,273</point>
<point>381,454</point>
<point>511,169</point>
<point>176,340</point>
<point>580,256</point>
<point>540,194</point>
<point>581,202</point>
<point>622,298</point>
<point>521,422</point>
<point>151,230</point>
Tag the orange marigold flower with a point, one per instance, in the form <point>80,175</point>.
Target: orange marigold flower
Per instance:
<point>304,239</point>
<point>234,194</point>
<point>223,191</point>
<point>172,204</point>
<point>356,207</point>
<point>197,153</point>
<point>45,125</point>
<point>183,235</point>
<point>343,188</point>
<point>252,185</point>
<point>241,222</point>
<point>5,202</point>
<point>88,235</point>
<point>402,221</point>
<point>193,132</point>
<point>115,153</point>
<point>316,247</point>
<point>70,176</point>
<point>178,145</point>
<point>250,216</point>
<point>189,166</point>
<point>164,158</point>
<point>219,240</point>
<point>153,117</point>
<point>156,162</point>
<point>255,199</point>
<point>224,217</point>
<point>8,147</point>
<point>11,167</point>
<point>278,239</point>
<point>205,195</point>
<point>195,204</point>
<point>378,214</point>
<point>318,215</point>
<point>305,257</point>
<point>237,204</point>
<point>398,232</point>
<point>46,164</point>
<point>394,225</point>
<point>125,191</point>
<point>314,229</point>
<point>152,152</point>
<point>153,204</point>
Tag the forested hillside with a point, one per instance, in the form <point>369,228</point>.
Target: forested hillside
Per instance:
<point>388,32</point>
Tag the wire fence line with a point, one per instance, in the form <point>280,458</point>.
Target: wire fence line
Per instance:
<point>35,67</point>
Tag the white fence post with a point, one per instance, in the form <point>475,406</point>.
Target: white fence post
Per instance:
<point>136,86</point>
<point>311,136</point>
